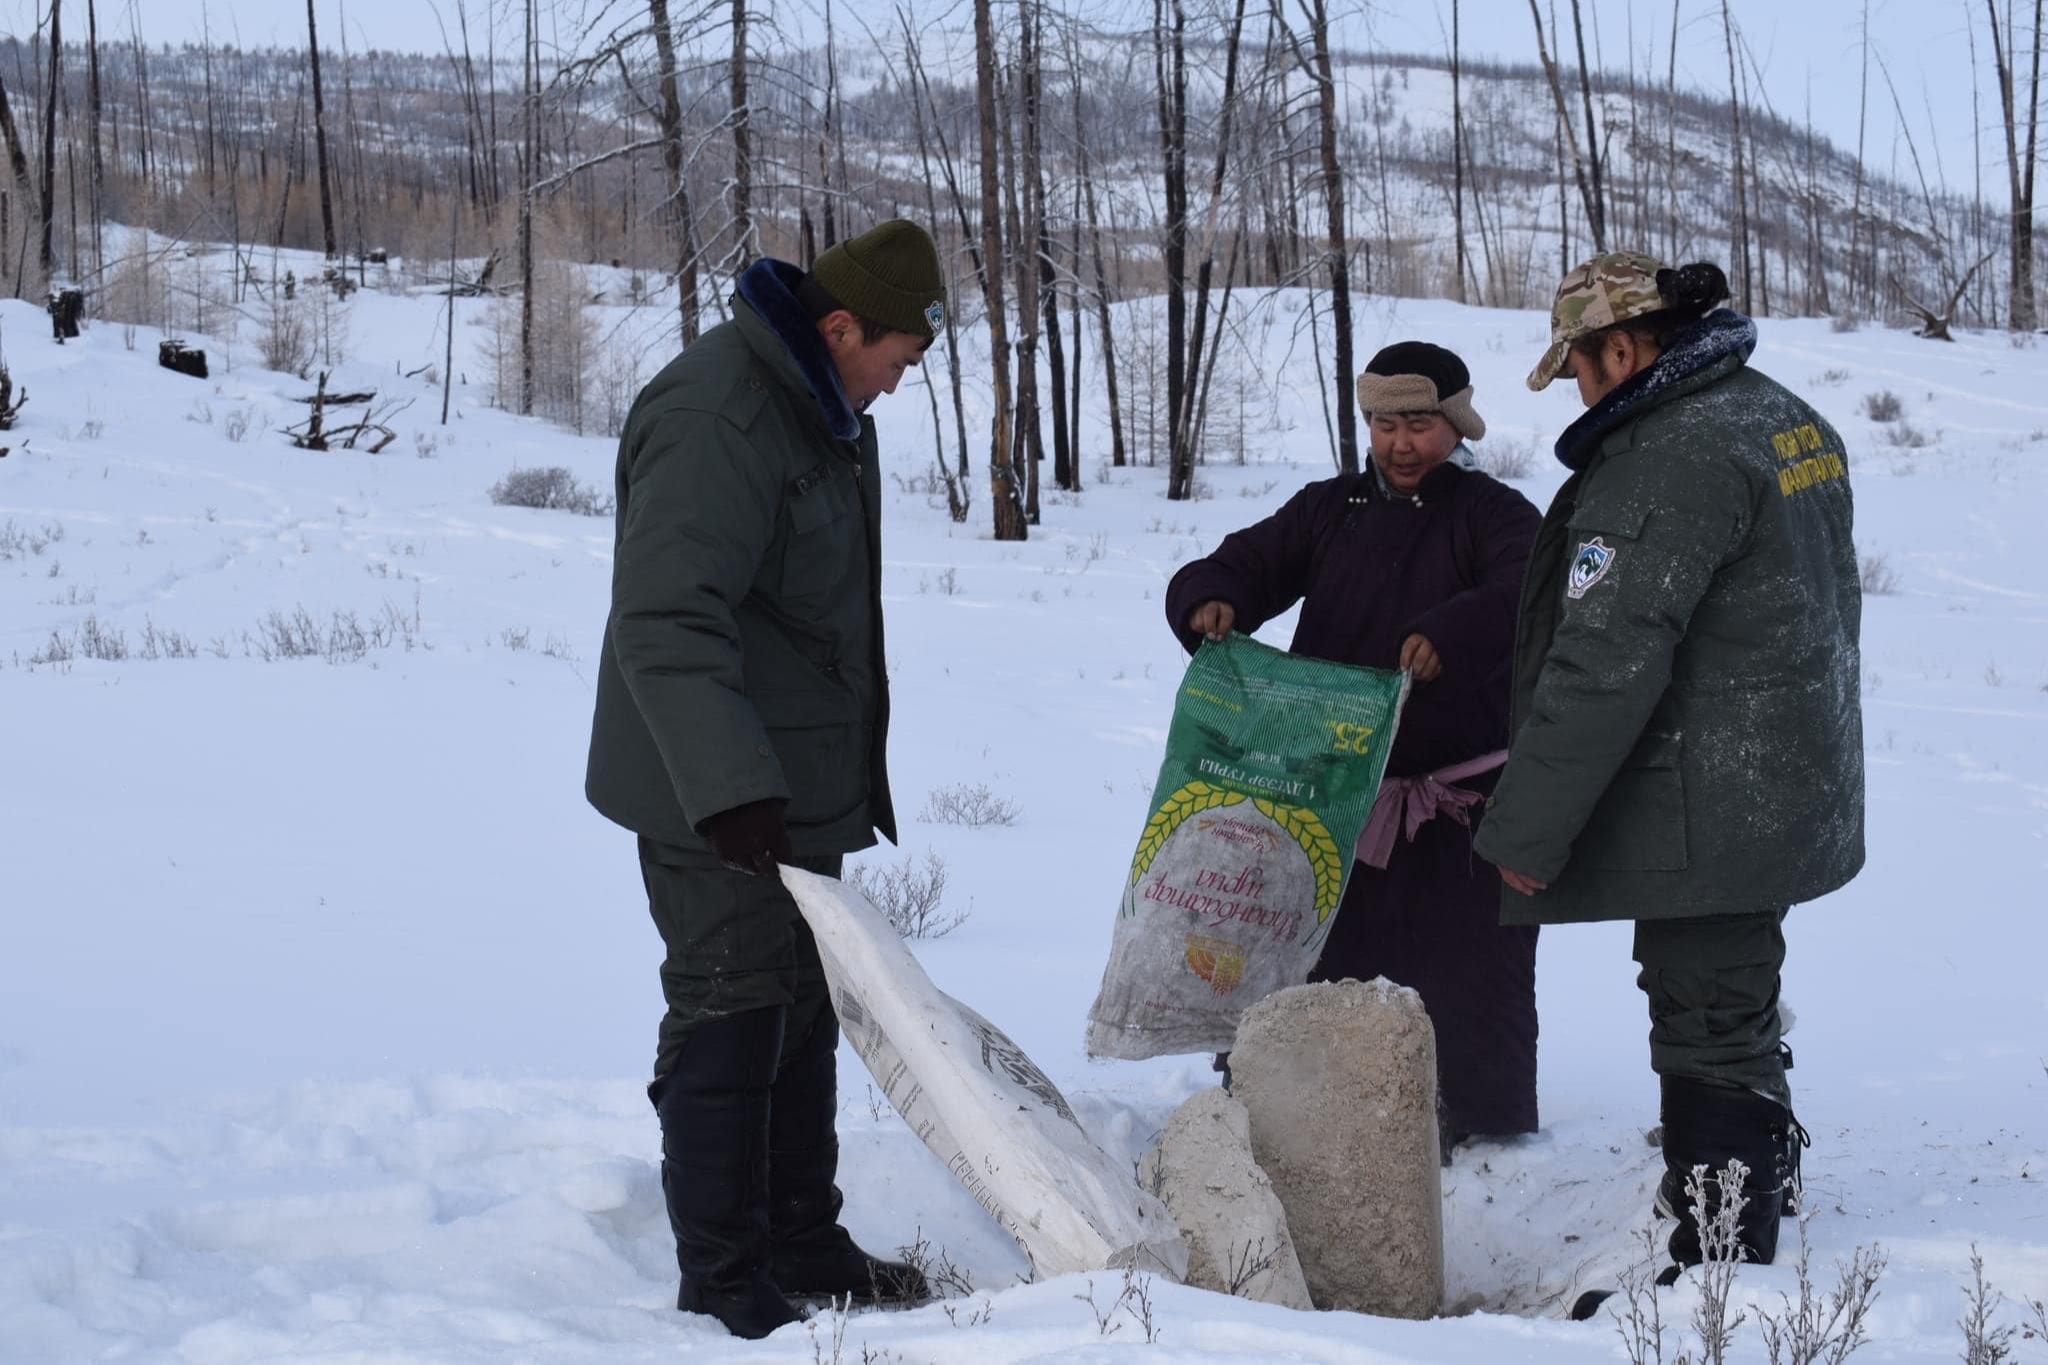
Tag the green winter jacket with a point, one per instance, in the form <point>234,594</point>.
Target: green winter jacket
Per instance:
<point>743,656</point>
<point>1688,726</point>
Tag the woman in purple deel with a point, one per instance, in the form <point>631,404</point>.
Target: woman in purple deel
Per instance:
<point>1415,563</point>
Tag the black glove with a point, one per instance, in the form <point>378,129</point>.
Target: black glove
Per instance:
<point>751,838</point>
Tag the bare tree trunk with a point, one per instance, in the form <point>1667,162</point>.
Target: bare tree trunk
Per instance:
<point>826,131</point>
<point>1458,159</point>
<point>1028,443</point>
<point>687,303</point>
<point>206,71</point>
<point>1564,204</point>
<point>1976,143</point>
<point>957,485</point>
<point>1170,68</point>
<point>1005,496</point>
<point>71,253</point>
<point>487,192</point>
<point>320,132</point>
<point>293,154</point>
<point>45,257</point>
<point>744,246</point>
<point>1818,299</point>
<point>99,170</point>
<point>1752,161</point>
<point>1741,235</point>
<point>448,368</point>
<point>1187,428</point>
<point>144,161</point>
<point>1856,201</point>
<point>360,187</point>
<point>1567,134</point>
<point>1596,160</point>
<point>1074,323</point>
<point>1671,138</point>
<point>2021,314</point>
<point>529,172</point>
<point>1063,468</point>
<point>1339,242</point>
<point>1118,456</point>
<point>17,161</point>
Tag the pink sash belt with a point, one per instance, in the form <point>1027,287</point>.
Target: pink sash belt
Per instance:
<point>1414,801</point>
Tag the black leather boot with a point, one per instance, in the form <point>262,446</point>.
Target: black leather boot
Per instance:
<point>1708,1124</point>
<point>814,1257</point>
<point>714,1106</point>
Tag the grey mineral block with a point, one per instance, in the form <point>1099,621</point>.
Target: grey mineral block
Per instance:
<point>1339,1081</point>
<point>1232,1221</point>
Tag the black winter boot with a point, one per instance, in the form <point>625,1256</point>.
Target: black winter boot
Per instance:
<point>1796,1137</point>
<point>1709,1124</point>
<point>813,1257</point>
<point>714,1169</point>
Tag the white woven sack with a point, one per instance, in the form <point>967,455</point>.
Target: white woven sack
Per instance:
<point>980,1104</point>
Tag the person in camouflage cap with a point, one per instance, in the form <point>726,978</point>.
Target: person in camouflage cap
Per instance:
<point>1687,715</point>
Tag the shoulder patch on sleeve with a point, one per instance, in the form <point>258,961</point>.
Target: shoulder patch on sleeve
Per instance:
<point>1590,564</point>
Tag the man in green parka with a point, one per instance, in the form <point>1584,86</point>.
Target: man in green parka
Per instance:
<point>742,718</point>
<point>1688,741</point>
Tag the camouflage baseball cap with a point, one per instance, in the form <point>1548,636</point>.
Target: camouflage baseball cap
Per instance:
<point>1612,287</point>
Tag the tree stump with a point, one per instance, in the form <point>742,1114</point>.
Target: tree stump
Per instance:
<point>176,355</point>
<point>66,307</point>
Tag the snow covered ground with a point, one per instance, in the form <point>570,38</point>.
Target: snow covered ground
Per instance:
<point>326,1003</point>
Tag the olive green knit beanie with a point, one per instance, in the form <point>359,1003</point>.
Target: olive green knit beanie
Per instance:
<point>889,274</point>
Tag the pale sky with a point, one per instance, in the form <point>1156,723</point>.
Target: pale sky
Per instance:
<point>1801,46</point>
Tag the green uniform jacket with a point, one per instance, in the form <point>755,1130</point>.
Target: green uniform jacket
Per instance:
<point>743,656</point>
<point>1688,734</point>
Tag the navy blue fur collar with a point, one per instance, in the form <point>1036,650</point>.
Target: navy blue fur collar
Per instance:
<point>1709,341</point>
<point>769,288</point>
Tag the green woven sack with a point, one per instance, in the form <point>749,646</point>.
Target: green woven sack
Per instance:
<point>1271,768</point>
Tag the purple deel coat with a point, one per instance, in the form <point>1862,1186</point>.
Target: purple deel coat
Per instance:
<point>1372,568</point>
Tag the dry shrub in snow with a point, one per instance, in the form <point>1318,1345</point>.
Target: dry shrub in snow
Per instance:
<point>108,644</point>
<point>1818,1329</point>
<point>910,897</point>
<point>344,638</point>
<point>1506,459</point>
<point>565,345</point>
<point>620,372</point>
<point>550,488</point>
<point>1877,575</point>
<point>138,284</point>
<point>1985,1341</point>
<point>1883,406</point>
<point>284,335</point>
<point>968,803</point>
<point>1824,1329</point>
<point>946,1279</point>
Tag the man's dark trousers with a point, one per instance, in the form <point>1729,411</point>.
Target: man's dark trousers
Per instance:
<point>1712,985</point>
<point>735,942</point>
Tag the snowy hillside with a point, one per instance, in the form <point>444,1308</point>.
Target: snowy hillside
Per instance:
<point>326,1003</point>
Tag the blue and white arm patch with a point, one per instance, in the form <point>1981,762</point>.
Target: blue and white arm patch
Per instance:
<point>1594,558</point>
